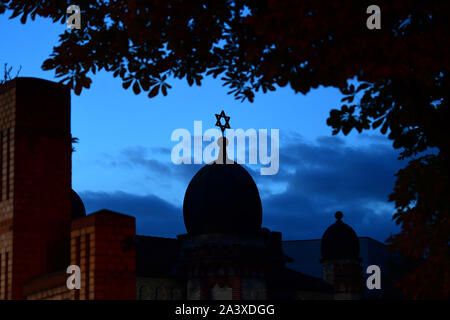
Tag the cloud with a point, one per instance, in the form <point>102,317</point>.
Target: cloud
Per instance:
<point>144,158</point>
<point>314,181</point>
<point>154,216</point>
<point>327,176</point>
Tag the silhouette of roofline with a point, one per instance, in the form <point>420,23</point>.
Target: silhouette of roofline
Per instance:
<point>303,240</point>
<point>155,237</point>
<point>364,237</point>
<point>32,80</point>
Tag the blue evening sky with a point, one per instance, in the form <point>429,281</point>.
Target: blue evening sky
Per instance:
<point>122,161</point>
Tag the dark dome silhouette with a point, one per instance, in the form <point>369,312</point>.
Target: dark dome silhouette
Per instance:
<point>78,209</point>
<point>222,198</point>
<point>340,241</point>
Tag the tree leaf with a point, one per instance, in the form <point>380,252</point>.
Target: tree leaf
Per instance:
<point>384,127</point>
<point>363,86</point>
<point>126,84</point>
<point>136,88</point>
<point>154,92</point>
<point>377,123</point>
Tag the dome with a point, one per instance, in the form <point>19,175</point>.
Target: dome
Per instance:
<point>78,209</point>
<point>340,241</point>
<point>222,198</point>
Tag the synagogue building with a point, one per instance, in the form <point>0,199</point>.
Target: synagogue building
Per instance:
<point>225,253</point>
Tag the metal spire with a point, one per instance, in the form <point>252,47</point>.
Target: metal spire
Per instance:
<point>222,127</point>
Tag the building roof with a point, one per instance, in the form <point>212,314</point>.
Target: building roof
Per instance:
<point>222,198</point>
<point>78,209</point>
<point>155,256</point>
<point>340,241</point>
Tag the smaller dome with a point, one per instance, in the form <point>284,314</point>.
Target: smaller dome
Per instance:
<point>340,241</point>
<point>78,209</point>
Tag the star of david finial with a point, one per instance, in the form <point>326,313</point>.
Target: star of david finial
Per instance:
<point>219,124</point>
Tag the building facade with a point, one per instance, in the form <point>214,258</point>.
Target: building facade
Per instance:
<point>225,254</point>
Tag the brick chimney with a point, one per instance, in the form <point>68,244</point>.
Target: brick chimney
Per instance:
<point>35,188</point>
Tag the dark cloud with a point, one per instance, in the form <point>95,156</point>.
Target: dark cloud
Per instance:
<point>327,176</point>
<point>161,150</point>
<point>143,157</point>
<point>154,216</point>
<point>314,181</point>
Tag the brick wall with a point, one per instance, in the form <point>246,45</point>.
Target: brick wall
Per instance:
<point>35,184</point>
<point>7,120</point>
<point>101,246</point>
<point>56,293</point>
<point>48,287</point>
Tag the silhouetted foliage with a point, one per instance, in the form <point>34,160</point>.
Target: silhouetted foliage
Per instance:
<point>73,141</point>
<point>402,71</point>
<point>7,73</point>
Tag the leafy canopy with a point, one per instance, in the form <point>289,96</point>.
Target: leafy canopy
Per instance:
<point>402,71</point>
